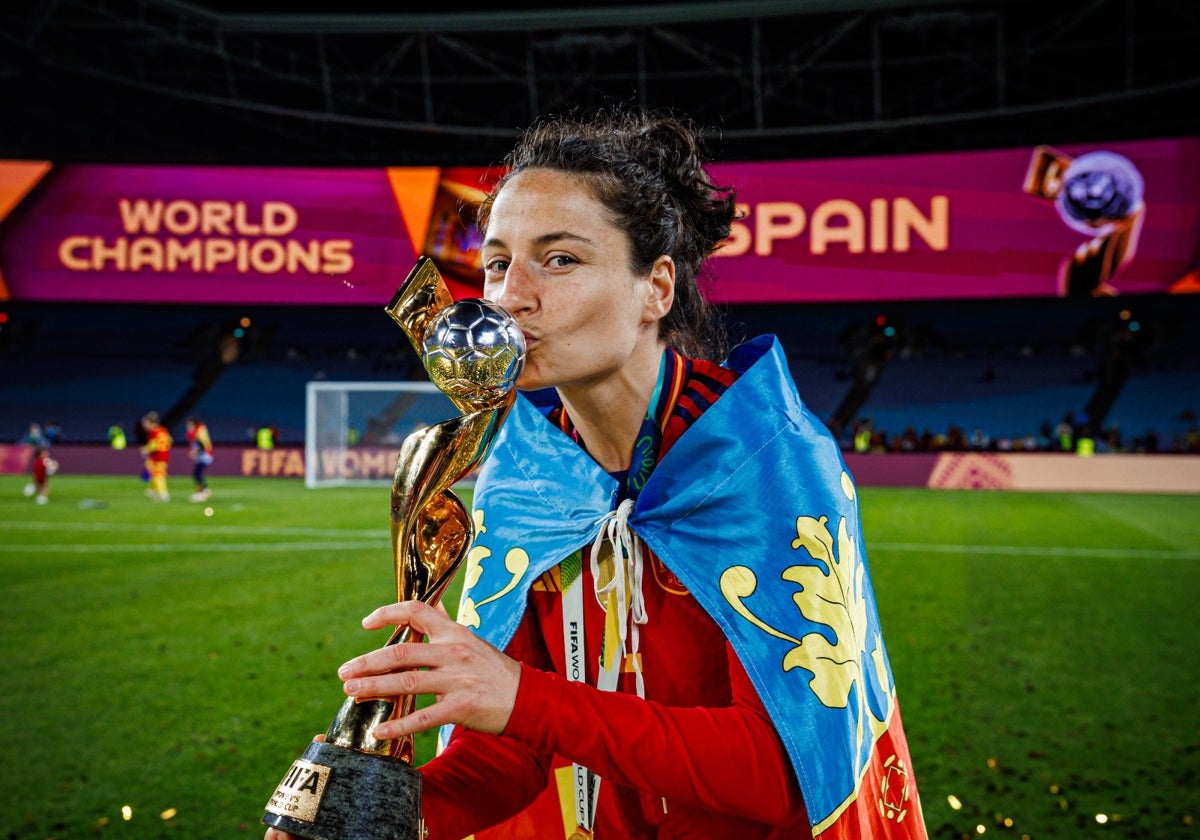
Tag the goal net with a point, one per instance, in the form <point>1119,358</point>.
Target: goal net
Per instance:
<point>353,430</point>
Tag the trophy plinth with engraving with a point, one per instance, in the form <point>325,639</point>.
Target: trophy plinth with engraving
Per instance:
<point>352,785</point>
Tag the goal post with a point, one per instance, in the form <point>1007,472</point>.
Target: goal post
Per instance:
<point>353,430</point>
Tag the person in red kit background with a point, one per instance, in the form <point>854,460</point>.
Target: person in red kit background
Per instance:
<point>158,456</point>
<point>41,468</point>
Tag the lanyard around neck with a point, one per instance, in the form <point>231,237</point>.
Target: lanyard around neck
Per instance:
<point>646,452</point>
<point>649,439</point>
<point>586,784</point>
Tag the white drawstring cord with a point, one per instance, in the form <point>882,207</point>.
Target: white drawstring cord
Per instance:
<point>627,574</point>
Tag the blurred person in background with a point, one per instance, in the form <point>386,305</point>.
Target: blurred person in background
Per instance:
<point>157,451</point>
<point>266,436</point>
<point>200,450</point>
<point>34,436</point>
<point>41,468</point>
<point>116,436</point>
<point>53,432</point>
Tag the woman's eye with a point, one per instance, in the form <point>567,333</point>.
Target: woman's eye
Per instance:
<point>561,260</point>
<point>497,264</point>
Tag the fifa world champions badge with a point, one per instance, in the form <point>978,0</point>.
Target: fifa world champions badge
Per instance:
<point>1098,194</point>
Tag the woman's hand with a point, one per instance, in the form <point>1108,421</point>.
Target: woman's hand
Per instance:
<point>474,682</point>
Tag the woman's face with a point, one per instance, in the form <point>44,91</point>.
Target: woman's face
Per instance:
<point>553,258</point>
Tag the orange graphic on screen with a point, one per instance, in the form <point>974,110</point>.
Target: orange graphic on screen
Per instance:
<point>17,178</point>
<point>439,208</point>
<point>414,189</point>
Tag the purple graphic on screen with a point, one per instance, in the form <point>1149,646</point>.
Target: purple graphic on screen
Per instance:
<point>1099,190</point>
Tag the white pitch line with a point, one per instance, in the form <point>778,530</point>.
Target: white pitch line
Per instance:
<point>265,530</point>
<point>138,548</point>
<point>374,539</point>
<point>1037,551</point>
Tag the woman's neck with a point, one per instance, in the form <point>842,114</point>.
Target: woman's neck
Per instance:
<point>608,417</point>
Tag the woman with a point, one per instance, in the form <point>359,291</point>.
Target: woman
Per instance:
<point>610,626</point>
<point>157,452</point>
<point>41,468</point>
<point>200,450</point>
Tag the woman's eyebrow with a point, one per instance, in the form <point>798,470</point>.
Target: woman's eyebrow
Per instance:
<point>556,236</point>
<point>540,241</point>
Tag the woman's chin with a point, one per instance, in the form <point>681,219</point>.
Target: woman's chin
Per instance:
<point>531,378</point>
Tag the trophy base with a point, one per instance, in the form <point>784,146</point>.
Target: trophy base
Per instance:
<point>336,793</point>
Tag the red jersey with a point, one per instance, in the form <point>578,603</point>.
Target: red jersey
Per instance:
<point>698,757</point>
<point>199,440</point>
<point>41,469</point>
<point>734,779</point>
<point>158,444</point>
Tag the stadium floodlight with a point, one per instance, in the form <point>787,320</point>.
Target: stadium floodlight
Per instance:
<point>353,430</point>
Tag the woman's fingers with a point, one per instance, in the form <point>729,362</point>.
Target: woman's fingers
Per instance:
<point>437,628</point>
<point>475,683</point>
<point>419,615</point>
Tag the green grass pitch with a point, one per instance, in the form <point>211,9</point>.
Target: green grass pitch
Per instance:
<point>162,667</point>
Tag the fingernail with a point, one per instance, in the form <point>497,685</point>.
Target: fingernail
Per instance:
<point>344,671</point>
<point>352,687</point>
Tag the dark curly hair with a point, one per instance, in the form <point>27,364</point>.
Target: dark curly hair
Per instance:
<point>647,168</point>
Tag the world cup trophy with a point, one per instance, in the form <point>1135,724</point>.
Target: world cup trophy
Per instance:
<point>352,786</point>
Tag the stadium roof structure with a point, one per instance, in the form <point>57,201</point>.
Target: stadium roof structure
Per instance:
<point>354,82</point>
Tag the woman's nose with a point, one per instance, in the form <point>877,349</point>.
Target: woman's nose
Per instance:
<point>514,292</point>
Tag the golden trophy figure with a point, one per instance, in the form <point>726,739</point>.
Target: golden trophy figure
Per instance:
<point>352,786</point>
<point>1099,194</point>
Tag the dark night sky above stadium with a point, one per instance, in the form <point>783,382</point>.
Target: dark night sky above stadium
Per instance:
<point>373,82</point>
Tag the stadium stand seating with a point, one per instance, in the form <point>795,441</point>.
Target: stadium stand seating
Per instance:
<point>91,366</point>
<point>1003,366</point>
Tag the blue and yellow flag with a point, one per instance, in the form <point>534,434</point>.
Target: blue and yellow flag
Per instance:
<point>754,511</point>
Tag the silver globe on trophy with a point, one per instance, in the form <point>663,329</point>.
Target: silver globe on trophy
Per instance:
<point>352,786</point>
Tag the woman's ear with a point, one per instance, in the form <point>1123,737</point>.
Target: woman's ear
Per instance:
<point>660,290</point>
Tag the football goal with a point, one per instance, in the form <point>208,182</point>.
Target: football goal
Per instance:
<point>353,430</point>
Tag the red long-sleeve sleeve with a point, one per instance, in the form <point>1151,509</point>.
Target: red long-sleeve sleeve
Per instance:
<point>723,759</point>
<point>479,779</point>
